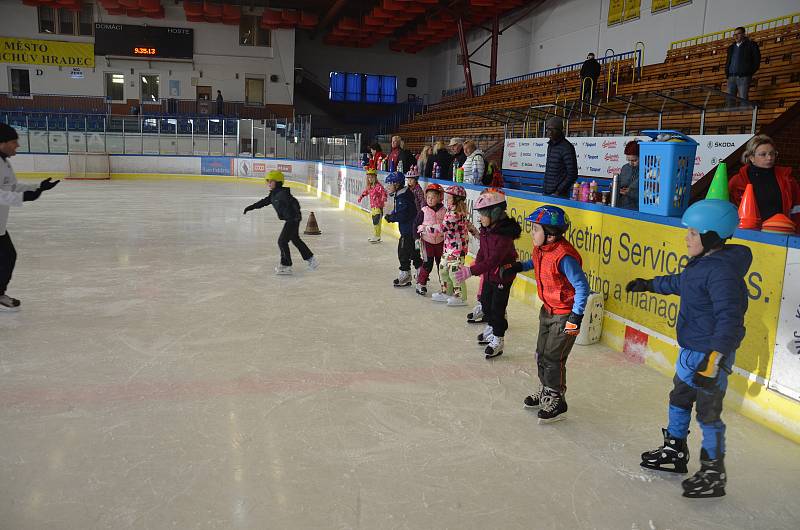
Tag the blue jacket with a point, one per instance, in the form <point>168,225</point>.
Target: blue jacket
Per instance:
<point>405,211</point>
<point>713,299</point>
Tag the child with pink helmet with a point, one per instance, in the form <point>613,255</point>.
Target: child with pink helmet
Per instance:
<point>456,227</point>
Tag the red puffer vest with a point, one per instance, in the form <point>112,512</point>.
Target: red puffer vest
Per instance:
<point>555,291</point>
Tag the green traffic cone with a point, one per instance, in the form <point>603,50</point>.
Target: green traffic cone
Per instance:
<point>719,186</point>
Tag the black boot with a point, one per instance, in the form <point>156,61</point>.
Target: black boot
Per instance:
<point>709,481</point>
<point>554,406</point>
<point>672,456</point>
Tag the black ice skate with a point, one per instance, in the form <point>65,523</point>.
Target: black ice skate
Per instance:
<point>8,304</point>
<point>554,406</point>
<point>534,401</point>
<point>421,289</point>
<point>709,481</point>
<point>404,280</point>
<point>672,456</point>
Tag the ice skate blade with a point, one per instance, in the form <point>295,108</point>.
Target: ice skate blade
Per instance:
<point>473,321</point>
<point>531,407</point>
<point>492,355</point>
<point>562,416</point>
<point>403,284</point>
<point>6,309</point>
<point>655,467</point>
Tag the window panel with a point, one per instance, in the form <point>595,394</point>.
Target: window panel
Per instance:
<point>86,20</point>
<point>337,86</point>
<point>353,87</point>
<point>149,88</point>
<point>47,19</point>
<point>66,22</point>
<point>115,86</point>
<point>20,82</point>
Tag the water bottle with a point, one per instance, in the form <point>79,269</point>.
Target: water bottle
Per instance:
<point>455,168</point>
<point>576,192</point>
<point>593,191</point>
<point>391,166</point>
<point>400,166</point>
<point>437,172</point>
<point>476,178</point>
<point>584,191</point>
<point>460,174</point>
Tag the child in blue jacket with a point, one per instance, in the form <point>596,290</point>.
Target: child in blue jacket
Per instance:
<point>404,214</point>
<point>710,328</point>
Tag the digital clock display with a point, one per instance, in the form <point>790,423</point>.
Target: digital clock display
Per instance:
<point>145,42</point>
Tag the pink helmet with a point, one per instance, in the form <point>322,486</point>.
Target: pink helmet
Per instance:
<point>456,191</point>
<point>412,173</point>
<point>490,197</point>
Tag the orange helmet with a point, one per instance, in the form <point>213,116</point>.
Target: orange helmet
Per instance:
<point>434,187</point>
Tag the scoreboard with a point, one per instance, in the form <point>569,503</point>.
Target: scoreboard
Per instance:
<point>147,42</point>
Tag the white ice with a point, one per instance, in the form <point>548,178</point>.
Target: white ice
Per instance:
<point>160,376</point>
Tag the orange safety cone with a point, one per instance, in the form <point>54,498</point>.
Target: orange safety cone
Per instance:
<point>779,224</point>
<point>311,226</point>
<point>749,218</point>
<point>719,186</point>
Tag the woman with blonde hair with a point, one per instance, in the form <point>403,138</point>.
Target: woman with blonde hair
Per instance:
<point>425,162</point>
<point>775,189</point>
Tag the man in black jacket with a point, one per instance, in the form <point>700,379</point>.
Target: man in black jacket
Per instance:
<point>589,71</point>
<point>561,169</point>
<point>744,58</point>
<point>288,210</point>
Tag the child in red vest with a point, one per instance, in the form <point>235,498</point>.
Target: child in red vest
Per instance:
<point>563,290</point>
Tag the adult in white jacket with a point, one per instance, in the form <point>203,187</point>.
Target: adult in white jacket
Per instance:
<point>474,166</point>
<point>12,193</point>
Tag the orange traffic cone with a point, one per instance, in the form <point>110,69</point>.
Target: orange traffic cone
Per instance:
<point>749,218</point>
<point>779,224</point>
<point>311,226</point>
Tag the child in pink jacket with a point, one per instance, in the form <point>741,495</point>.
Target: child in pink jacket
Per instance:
<point>431,235</point>
<point>377,200</point>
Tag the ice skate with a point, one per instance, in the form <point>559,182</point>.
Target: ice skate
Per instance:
<point>709,481</point>
<point>476,316</point>
<point>404,280</point>
<point>495,347</point>
<point>284,270</point>
<point>534,401</point>
<point>672,456</point>
<point>8,304</point>
<point>439,297</point>
<point>374,239</point>
<point>486,335</point>
<point>455,301</point>
<point>553,406</point>
<point>313,263</point>
<point>421,289</point>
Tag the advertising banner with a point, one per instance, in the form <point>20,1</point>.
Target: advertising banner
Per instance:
<point>785,373</point>
<point>604,156</point>
<point>46,52</point>
<point>216,165</point>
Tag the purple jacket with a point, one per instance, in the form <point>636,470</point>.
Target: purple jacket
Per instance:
<point>497,248</point>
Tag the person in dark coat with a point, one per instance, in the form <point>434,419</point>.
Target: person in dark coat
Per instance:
<point>743,61</point>
<point>561,169</point>
<point>220,103</point>
<point>404,214</point>
<point>456,147</point>
<point>710,329</point>
<point>628,179</point>
<point>444,161</point>
<point>589,70</point>
<point>288,210</point>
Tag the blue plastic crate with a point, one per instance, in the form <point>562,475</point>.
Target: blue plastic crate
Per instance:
<point>665,173</point>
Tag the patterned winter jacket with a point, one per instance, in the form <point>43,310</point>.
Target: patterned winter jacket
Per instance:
<point>456,234</point>
<point>377,195</point>
<point>431,228</point>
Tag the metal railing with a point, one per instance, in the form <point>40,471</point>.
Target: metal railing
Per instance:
<point>728,33</point>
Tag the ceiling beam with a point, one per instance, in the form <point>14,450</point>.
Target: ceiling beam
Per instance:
<point>329,16</point>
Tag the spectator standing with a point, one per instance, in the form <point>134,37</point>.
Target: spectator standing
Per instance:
<point>456,147</point>
<point>220,103</point>
<point>744,58</point>
<point>425,161</point>
<point>400,159</point>
<point>443,158</point>
<point>561,169</point>
<point>377,156</point>
<point>589,70</point>
<point>628,179</point>
<point>474,165</point>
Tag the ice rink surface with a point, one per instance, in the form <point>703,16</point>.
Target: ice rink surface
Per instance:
<point>160,376</point>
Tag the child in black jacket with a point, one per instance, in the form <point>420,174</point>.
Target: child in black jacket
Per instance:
<point>288,210</point>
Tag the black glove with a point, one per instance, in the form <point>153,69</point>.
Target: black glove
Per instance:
<point>509,267</point>
<point>639,285</point>
<point>48,184</point>
<point>573,324</point>
<point>31,195</point>
<point>708,370</point>
<point>247,209</point>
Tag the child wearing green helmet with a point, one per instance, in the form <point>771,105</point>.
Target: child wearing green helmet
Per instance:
<point>710,329</point>
<point>288,210</point>
<point>563,289</point>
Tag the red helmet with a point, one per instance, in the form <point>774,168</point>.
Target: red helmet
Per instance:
<point>456,191</point>
<point>433,187</point>
<point>490,197</point>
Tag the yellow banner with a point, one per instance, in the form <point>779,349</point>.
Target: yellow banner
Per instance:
<point>617,249</point>
<point>46,52</point>
<point>676,3</point>
<point>659,5</point>
<point>615,9</point>
<point>632,9</point>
